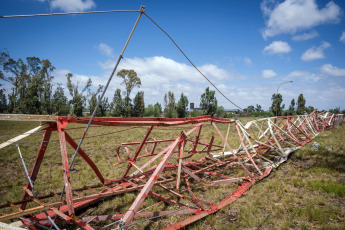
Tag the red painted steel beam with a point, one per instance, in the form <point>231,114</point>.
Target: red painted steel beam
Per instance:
<point>153,178</point>
<point>246,150</point>
<point>103,218</point>
<point>137,151</point>
<point>85,157</point>
<point>158,121</point>
<point>65,167</point>
<point>195,144</point>
<point>228,200</point>
<point>231,150</point>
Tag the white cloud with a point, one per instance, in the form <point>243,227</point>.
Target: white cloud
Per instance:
<point>334,96</point>
<point>247,61</point>
<point>303,75</point>
<point>164,69</point>
<point>315,52</point>
<point>342,37</point>
<point>160,74</point>
<point>268,73</point>
<point>72,5</point>
<point>106,50</point>
<point>277,47</point>
<point>292,16</point>
<point>305,36</point>
<point>333,70</point>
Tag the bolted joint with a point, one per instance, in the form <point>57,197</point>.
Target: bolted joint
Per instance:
<point>142,9</point>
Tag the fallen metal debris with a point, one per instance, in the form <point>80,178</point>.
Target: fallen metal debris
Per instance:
<point>177,171</point>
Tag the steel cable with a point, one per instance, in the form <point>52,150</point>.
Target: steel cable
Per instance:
<point>68,13</point>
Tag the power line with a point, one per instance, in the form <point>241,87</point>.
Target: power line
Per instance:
<point>191,61</point>
<point>68,13</point>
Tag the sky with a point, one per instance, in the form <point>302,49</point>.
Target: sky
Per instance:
<point>246,48</point>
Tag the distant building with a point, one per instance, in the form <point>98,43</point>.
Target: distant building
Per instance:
<point>192,108</point>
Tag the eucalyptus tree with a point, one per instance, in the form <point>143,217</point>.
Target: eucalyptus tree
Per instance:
<point>130,81</point>
<point>139,105</point>
<point>59,102</point>
<point>182,106</point>
<point>103,106</point>
<point>208,102</point>
<point>117,105</point>
<point>78,101</point>
<point>300,104</point>
<point>170,105</point>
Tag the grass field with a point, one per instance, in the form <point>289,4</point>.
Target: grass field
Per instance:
<point>306,192</point>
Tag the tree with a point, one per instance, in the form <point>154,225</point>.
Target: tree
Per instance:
<point>182,106</point>
<point>78,100</point>
<point>34,87</point>
<point>258,108</point>
<point>31,84</point>
<point>117,104</point>
<point>291,110</point>
<point>250,109</point>
<point>208,102</point>
<point>3,101</point>
<point>139,105</point>
<point>335,110</point>
<point>4,56</point>
<point>32,97</point>
<point>300,105</point>
<point>47,86</point>
<point>59,102</point>
<point>196,113</point>
<point>220,112</point>
<point>149,111</point>
<point>157,110</point>
<point>170,108</point>
<point>309,109</point>
<point>276,107</point>
<point>130,80</point>
<point>18,79</point>
<point>103,105</point>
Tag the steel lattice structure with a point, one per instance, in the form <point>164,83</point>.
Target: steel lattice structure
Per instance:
<point>172,171</point>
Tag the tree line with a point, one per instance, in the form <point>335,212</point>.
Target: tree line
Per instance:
<point>277,108</point>
<point>32,92</point>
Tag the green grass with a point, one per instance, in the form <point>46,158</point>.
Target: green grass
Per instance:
<point>335,188</point>
<point>304,193</point>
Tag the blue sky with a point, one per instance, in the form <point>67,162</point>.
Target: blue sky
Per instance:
<point>246,48</point>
